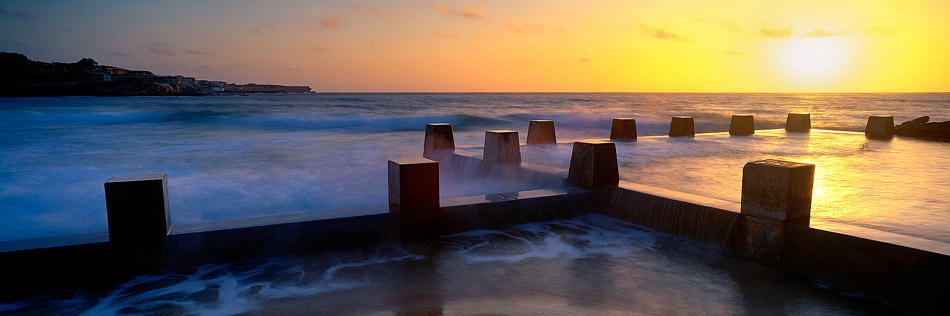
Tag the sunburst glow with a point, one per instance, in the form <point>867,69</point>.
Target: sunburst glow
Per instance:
<point>813,59</point>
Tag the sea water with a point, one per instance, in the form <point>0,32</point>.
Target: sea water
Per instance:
<point>243,156</point>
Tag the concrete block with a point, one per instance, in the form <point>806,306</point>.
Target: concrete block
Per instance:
<point>741,125</point>
<point>438,136</point>
<point>759,238</point>
<point>880,126</point>
<point>413,188</point>
<point>594,164</point>
<point>682,126</point>
<point>137,209</point>
<point>541,132</point>
<point>501,146</point>
<point>778,189</point>
<point>798,122</point>
<point>623,128</point>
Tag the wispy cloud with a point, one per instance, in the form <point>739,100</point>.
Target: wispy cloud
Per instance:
<point>584,60</point>
<point>321,49</point>
<point>292,69</point>
<point>16,14</point>
<point>477,12</point>
<point>734,53</point>
<point>663,34</point>
<point>824,33</point>
<point>525,27</point>
<point>160,44</point>
<point>775,33</point>
<point>444,34</point>
<point>331,22</point>
<point>118,54</point>
<point>880,30</point>
<point>257,31</point>
<point>161,51</point>
<point>368,10</point>
<point>197,52</point>
<point>732,27</point>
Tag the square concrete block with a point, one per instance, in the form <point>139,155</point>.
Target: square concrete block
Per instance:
<point>778,189</point>
<point>742,125</point>
<point>623,129</point>
<point>541,132</point>
<point>594,164</point>
<point>880,126</point>
<point>682,126</point>
<point>137,208</point>
<point>759,238</point>
<point>438,136</point>
<point>502,146</point>
<point>413,187</point>
<point>798,122</point>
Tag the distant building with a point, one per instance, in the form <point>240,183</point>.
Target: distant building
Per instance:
<point>106,77</point>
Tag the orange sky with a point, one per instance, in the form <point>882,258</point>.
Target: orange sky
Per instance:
<point>717,46</point>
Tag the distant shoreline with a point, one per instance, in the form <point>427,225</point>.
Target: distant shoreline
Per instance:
<point>22,77</point>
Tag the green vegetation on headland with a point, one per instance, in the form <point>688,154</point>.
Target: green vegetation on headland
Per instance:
<point>22,77</point>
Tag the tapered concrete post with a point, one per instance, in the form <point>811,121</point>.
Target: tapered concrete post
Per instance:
<point>681,126</point>
<point>501,146</point>
<point>137,209</point>
<point>623,129</point>
<point>413,189</point>
<point>880,126</point>
<point>798,122</point>
<point>741,125</point>
<point>438,136</point>
<point>541,132</point>
<point>594,164</point>
<point>774,193</point>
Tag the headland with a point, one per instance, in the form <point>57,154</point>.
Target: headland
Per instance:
<point>22,77</point>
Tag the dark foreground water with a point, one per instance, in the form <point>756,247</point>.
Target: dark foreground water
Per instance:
<point>590,265</point>
<point>233,157</point>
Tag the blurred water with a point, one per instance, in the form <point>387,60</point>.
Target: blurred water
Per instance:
<point>898,185</point>
<point>590,265</point>
<point>233,156</point>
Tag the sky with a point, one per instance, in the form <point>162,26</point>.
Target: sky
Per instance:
<point>504,46</point>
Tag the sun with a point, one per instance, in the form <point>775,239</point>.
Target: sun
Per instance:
<point>813,59</point>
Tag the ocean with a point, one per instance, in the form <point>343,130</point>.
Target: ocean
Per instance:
<point>244,156</point>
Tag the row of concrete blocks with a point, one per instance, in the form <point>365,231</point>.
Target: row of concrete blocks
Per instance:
<point>542,131</point>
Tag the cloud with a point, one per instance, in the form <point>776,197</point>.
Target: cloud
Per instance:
<point>16,14</point>
<point>880,30</point>
<point>321,49</point>
<point>584,60</point>
<point>659,33</point>
<point>161,51</point>
<point>160,44</point>
<point>477,12</point>
<point>197,52</point>
<point>257,31</point>
<point>331,22</point>
<point>118,54</point>
<point>291,69</point>
<point>365,9</point>
<point>734,53</point>
<point>732,27</point>
<point>444,34</point>
<point>776,33</point>
<point>444,9</point>
<point>823,33</point>
<point>525,27</point>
